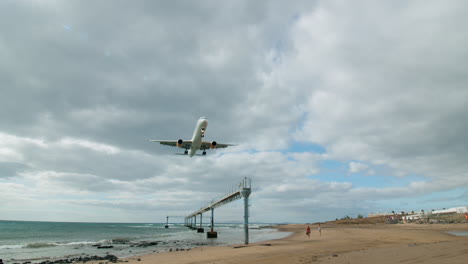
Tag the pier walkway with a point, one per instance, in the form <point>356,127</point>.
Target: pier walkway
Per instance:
<point>243,190</point>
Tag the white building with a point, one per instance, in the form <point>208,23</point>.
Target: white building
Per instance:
<point>458,210</point>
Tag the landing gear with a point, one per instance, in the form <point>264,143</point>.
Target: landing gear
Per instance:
<point>186,152</point>
<point>204,153</point>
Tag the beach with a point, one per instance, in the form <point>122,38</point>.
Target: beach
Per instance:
<point>365,243</point>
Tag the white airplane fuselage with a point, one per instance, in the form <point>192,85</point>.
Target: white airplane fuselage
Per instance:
<point>198,134</point>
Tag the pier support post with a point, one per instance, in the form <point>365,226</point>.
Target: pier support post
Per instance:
<point>194,221</point>
<point>200,229</point>
<point>245,193</point>
<point>167,223</point>
<point>212,233</point>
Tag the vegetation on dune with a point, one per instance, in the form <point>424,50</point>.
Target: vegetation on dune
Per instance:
<point>399,218</point>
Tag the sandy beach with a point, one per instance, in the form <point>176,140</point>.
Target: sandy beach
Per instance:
<point>365,243</point>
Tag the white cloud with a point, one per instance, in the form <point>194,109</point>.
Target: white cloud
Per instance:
<point>355,167</point>
<point>379,86</point>
<point>382,93</point>
<point>73,142</point>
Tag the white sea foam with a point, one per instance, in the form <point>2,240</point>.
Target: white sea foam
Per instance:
<point>44,245</point>
<point>11,246</point>
<point>81,243</point>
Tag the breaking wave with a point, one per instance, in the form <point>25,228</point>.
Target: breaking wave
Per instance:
<point>40,245</point>
<point>10,246</point>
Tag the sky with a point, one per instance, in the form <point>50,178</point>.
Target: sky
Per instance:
<point>337,108</point>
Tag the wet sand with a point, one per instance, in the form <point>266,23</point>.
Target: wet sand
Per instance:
<point>380,243</point>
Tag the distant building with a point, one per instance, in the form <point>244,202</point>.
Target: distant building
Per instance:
<point>421,214</point>
<point>378,214</point>
<point>454,210</point>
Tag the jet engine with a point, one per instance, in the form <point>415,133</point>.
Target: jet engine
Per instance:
<point>213,145</point>
<point>180,142</point>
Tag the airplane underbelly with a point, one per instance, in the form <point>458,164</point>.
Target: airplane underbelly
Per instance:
<point>197,136</point>
<point>195,146</point>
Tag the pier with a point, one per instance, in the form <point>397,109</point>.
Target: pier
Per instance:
<point>243,191</point>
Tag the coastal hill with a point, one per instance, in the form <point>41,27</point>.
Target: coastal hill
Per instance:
<point>449,218</point>
<point>356,221</point>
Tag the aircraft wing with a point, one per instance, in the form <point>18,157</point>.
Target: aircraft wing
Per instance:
<point>207,145</point>
<point>186,144</point>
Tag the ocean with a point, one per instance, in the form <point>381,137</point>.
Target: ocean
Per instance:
<point>22,241</point>
<point>458,233</point>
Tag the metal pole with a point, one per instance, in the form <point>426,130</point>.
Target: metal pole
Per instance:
<point>201,219</point>
<point>246,219</point>
<point>245,193</point>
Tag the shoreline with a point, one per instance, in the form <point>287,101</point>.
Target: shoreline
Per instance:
<point>363,243</point>
<point>124,248</point>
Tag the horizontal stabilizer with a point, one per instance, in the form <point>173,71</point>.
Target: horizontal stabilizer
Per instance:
<point>182,154</point>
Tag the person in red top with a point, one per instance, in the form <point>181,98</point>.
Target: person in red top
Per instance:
<point>466,216</point>
<point>308,231</point>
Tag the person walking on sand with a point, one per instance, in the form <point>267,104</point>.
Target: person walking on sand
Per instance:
<point>319,230</point>
<point>308,231</point>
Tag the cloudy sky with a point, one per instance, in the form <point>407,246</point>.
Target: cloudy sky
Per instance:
<point>338,107</point>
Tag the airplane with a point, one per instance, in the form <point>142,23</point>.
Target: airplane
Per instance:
<point>196,143</point>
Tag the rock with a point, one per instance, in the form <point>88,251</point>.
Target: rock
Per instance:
<point>120,241</point>
<point>105,247</point>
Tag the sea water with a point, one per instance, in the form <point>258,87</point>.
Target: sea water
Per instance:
<point>39,241</point>
<point>458,233</point>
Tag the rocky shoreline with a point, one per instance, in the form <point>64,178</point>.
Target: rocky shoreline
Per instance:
<point>102,251</point>
<point>158,246</point>
<point>83,259</point>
